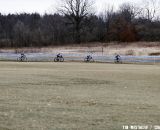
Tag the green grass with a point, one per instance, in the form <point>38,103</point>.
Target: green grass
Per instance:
<point>78,96</point>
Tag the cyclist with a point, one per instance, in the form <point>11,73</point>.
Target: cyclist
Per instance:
<point>117,57</point>
<point>23,55</point>
<point>59,55</point>
<point>89,57</point>
<point>59,58</point>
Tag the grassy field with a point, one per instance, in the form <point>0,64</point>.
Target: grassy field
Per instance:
<point>78,96</point>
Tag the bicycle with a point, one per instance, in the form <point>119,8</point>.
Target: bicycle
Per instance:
<point>118,61</point>
<point>22,59</point>
<point>88,59</point>
<point>59,59</point>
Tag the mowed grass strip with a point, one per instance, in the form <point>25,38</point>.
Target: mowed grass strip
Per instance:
<point>78,96</point>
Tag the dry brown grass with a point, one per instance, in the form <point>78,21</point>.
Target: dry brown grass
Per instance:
<point>138,49</point>
<point>155,54</point>
<point>130,53</point>
<point>78,96</point>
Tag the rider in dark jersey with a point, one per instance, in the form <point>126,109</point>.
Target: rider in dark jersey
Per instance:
<point>117,57</point>
<point>89,57</point>
<point>23,55</point>
<point>59,55</point>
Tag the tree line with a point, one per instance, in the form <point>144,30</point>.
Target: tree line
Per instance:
<point>75,23</point>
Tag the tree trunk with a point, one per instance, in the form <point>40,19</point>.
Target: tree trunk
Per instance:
<point>78,36</point>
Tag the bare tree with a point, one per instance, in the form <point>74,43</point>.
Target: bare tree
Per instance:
<point>107,16</point>
<point>151,8</point>
<point>76,11</point>
<point>19,32</point>
<point>130,11</point>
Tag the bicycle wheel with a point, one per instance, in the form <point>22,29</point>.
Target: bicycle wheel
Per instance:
<point>118,61</point>
<point>86,59</point>
<point>18,59</point>
<point>23,59</point>
<point>56,59</point>
<point>92,60</point>
<point>61,59</point>
<point>115,61</point>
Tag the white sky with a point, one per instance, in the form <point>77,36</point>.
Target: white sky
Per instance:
<point>42,6</point>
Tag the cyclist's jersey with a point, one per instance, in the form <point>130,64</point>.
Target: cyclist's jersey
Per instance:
<point>117,57</point>
<point>89,57</point>
<point>59,55</point>
<point>22,56</point>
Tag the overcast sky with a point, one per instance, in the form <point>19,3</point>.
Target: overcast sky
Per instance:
<point>42,6</point>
